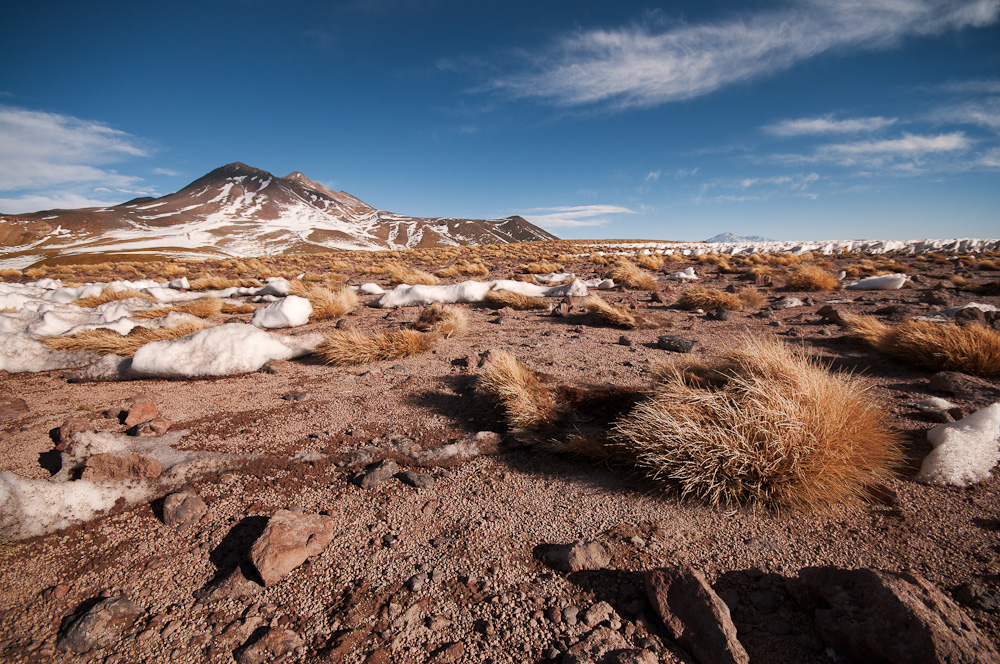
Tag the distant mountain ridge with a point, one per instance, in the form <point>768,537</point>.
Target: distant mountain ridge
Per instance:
<point>239,210</point>
<point>729,237</point>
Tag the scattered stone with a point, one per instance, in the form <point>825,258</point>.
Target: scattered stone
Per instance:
<point>675,344</point>
<point>963,386</point>
<point>288,539</point>
<point>598,613</point>
<point>296,396</point>
<point>696,617</point>
<point>893,310</point>
<point>376,474</point>
<point>564,309</point>
<point>975,596</point>
<point>936,409</point>
<point>570,614</point>
<point>271,645</point>
<point>151,428</point>
<point>595,645</point>
<point>183,509</point>
<point>787,302</point>
<point>719,314</point>
<point>99,626</point>
<point>418,480</point>
<point>658,297</point>
<point>632,656</point>
<point>893,617</point>
<point>451,652</point>
<point>55,592</point>
<point>624,341</point>
<point>416,582</point>
<point>235,585</point>
<point>830,314</point>
<point>577,556</point>
<point>971,316</point>
<point>114,467</point>
<point>763,280</point>
<point>141,410</point>
<point>11,407</point>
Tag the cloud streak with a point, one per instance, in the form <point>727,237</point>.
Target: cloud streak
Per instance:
<point>49,149</point>
<point>641,67</point>
<point>827,124</point>
<point>574,216</point>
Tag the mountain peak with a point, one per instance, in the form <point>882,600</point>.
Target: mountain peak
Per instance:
<point>729,237</point>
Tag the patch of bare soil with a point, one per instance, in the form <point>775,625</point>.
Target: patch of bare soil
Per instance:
<point>451,570</point>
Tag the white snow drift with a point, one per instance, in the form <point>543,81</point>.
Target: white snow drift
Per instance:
<point>883,282</point>
<point>471,291</point>
<point>964,451</point>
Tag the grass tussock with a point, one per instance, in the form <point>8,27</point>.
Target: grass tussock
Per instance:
<point>649,261</point>
<point>237,308</point>
<point>939,346</point>
<point>105,341</point>
<point>108,295</point>
<point>220,283</point>
<point>769,426</point>
<point>498,299</point>
<point>633,276</point>
<point>463,268</point>
<point>611,314</point>
<point>703,297</point>
<point>811,278</point>
<point>327,303</point>
<point>204,307</point>
<point>401,274</point>
<point>541,267</point>
<point>346,348</point>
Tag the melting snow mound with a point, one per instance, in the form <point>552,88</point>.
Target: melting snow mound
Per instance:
<point>964,451</point>
<point>217,351</point>
<point>884,282</point>
<point>290,311</point>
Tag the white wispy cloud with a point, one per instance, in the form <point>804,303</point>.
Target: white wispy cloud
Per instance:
<point>574,216</point>
<point>166,171</point>
<point>827,124</point>
<point>909,145</point>
<point>66,201</point>
<point>759,188</point>
<point>643,66</point>
<point>985,113</point>
<point>50,150</point>
<point>653,176</point>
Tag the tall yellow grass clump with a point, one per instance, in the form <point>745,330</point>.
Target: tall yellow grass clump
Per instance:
<point>106,341</point>
<point>781,430</point>
<point>498,299</point>
<point>108,295</point>
<point>811,278</point>
<point>768,426</point>
<point>401,274</point>
<point>632,276</point>
<point>327,303</point>
<point>941,346</point>
<point>351,348</point>
<point>702,297</point>
<point>611,314</point>
<point>203,307</point>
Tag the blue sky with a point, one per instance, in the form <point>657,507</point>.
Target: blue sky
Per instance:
<point>818,119</point>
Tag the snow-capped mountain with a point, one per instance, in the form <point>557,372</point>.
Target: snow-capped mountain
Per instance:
<point>238,210</point>
<point>729,237</point>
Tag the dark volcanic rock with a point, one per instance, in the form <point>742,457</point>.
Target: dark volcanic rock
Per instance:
<point>675,344</point>
<point>873,616</point>
<point>99,626</point>
<point>964,386</point>
<point>578,555</point>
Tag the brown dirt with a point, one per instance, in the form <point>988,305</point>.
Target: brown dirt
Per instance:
<point>478,527</point>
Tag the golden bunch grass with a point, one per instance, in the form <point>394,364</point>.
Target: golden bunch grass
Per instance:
<point>108,341</point>
<point>541,267</point>
<point>463,268</point>
<point>219,283</point>
<point>352,348</point>
<point>498,299</point>
<point>811,278</point>
<point>611,314</point>
<point>326,303</point>
<point>781,431</point>
<point>632,276</point>
<point>940,346</point>
<point>237,308</point>
<point>108,295</point>
<point>988,265</point>
<point>649,261</point>
<point>204,307</point>
<point>8,273</point>
<point>597,259</point>
<point>527,403</point>
<point>703,297</point>
<point>401,274</point>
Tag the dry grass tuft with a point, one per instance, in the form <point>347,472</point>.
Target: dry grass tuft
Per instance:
<point>401,274</point>
<point>220,283</point>
<point>611,314</point>
<point>940,346</point>
<point>781,431</point>
<point>237,308</point>
<point>204,307</point>
<point>811,278</point>
<point>751,297</point>
<point>650,261</point>
<point>498,299</point>
<point>326,303</point>
<point>352,348</point>
<point>527,403</point>
<point>108,341</point>
<point>541,267</point>
<point>702,297</point>
<point>633,277</point>
<point>109,295</point>
<point>463,267</point>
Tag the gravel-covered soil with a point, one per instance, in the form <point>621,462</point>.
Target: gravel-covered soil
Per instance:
<point>453,571</point>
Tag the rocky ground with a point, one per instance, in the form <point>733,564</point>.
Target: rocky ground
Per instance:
<point>310,550</point>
